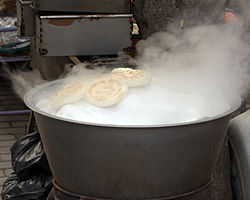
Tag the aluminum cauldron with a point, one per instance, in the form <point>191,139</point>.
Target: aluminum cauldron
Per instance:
<point>129,162</point>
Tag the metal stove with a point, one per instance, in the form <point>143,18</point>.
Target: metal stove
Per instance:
<point>62,28</point>
<point>58,193</point>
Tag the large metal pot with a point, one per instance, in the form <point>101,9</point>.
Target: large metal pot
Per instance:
<point>129,162</point>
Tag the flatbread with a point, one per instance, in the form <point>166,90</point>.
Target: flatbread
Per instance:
<point>104,92</point>
<point>132,77</point>
<point>68,95</point>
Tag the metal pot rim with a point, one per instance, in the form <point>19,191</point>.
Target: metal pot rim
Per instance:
<point>29,94</point>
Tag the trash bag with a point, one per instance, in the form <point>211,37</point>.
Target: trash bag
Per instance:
<point>28,156</point>
<point>35,188</point>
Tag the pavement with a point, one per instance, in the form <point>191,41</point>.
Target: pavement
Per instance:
<point>11,127</point>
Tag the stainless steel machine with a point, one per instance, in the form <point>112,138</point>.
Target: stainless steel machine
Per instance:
<point>73,28</point>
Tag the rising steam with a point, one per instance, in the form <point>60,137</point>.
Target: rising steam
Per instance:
<point>197,73</point>
<point>208,60</point>
<point>22,81</point>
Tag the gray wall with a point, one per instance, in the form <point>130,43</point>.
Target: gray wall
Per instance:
<point>156,15</point>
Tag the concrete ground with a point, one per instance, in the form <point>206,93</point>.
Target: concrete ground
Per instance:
<point>11,127</point>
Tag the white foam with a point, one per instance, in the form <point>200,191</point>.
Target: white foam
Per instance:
<point>150,105</point>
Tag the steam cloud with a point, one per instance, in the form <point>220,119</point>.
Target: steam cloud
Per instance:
<point>209,60</point>
<point>22,81</point>
<point>197,73</point>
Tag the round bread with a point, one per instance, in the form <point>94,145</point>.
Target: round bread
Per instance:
<point>132,77</point>
<point>68,95</point>
<point>104,92</point>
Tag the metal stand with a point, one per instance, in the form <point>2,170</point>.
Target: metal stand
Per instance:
<point>203,193</point>
<point>31,124</point>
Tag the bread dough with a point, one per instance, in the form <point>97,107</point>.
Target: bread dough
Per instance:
<point>68,95</point>
<point>132,77</point>
<point>104,92</point>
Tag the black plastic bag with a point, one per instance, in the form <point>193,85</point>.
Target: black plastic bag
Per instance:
<point>28,156</point>
<point>36,188</point>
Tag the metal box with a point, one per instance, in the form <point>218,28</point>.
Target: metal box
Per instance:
<point>50,67</point>
<point>87,6</point>
<point>25,18</point>
<point>83,34</point>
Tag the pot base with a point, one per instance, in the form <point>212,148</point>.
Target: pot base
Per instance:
<point>202,193</point>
